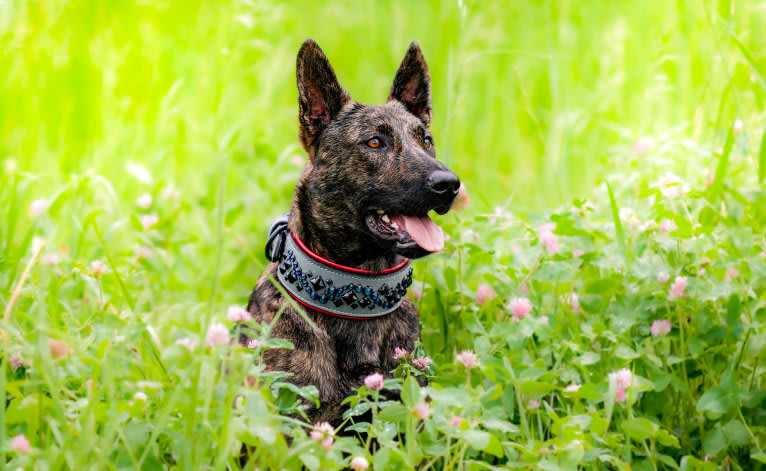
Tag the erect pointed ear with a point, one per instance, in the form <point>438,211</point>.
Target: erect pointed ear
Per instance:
<point>412,84</point>
<point>320,96</point>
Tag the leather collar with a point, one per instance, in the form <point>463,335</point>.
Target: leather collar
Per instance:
<point>330,288</point>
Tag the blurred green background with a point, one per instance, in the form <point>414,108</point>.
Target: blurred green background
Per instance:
<point>531,99</point>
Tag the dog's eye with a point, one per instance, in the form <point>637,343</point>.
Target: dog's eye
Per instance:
<point>428,143</point>
<point>374,143</point>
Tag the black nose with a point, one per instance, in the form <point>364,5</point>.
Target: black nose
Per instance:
<point>444,183</point>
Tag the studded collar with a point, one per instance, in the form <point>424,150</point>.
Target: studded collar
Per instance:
<point>331,288</point>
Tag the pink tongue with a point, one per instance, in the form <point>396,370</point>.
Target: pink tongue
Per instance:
<point>423,231</point>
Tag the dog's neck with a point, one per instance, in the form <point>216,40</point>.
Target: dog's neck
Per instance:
<point>338,244</point>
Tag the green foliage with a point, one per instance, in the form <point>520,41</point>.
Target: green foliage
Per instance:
<point>644,348</point>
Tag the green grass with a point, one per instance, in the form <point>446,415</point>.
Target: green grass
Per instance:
<point>536,106</point>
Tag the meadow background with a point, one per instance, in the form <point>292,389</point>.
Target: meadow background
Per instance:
<point>536,106</point>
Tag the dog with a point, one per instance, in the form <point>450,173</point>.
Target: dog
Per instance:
<point>358,215</point>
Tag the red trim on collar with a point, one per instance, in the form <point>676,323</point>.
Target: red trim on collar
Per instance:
<point>316,257</point>
<point>332,313</point>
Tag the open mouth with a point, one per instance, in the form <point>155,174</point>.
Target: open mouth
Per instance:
<point>407,231</point>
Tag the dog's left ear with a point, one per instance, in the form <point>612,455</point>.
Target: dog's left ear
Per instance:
<point>412,85</point>
<point>320,96</point>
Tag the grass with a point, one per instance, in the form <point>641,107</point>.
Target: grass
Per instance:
<point>536,106</point>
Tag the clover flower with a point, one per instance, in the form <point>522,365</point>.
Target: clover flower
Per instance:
<point>374,381</point>
<point>467,358</point>
<point>520,307</point>
<point>660,327</point>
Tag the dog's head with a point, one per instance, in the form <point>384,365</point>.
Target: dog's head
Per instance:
<point>372,175</point>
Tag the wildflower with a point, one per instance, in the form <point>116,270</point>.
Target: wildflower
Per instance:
<point>20,444</point>
<point>467,358</point>
<point>543,320</point>
<point>574,303</point>
<point>672,186</point>
<point>144,252</point>
<point>148,220</point>
<point>144,201</point>
<point>422,362</point>
<point>97,267</point>
<point>237,314</point>
<point>374,381</point>
<point>89,385</point>
<point>500,213</point>
<point>360,462</point>
<point>327,443</point>
<point>628,216</point>
<point>763,254</point>
<point>572,388</point>
<point>415,293</point>
<point>16,361</point>
<point>523,288</point>
<point>533,404</point>
<point>551,242</point>
<point>667,225</point>
<point>520,307</point>
<point>660,327</point>
<point>217,334</point>
<point>171,192</point>
<point>456,421</point>
<point>663,277</point>
<point>596,346</point>
<point>399,352</point>
<point>186,342</point>
<point>38,206</point>
<point>422,410</point>
<point>577,253</point>
<point>139,396</point>
<point>643,145</point>
<point>51,258</point>
<point>731,273</point>
<point>461,200</point>
<point>254,343</point>
<point>484,293</point>
<point>324,434</point>
<point>738,126</point>
<point>620,396</point>
<point>623,378</point>
<point>58,349</point>
<point>678,288</point>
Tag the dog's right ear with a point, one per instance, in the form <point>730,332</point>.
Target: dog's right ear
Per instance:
<point>320,96</point>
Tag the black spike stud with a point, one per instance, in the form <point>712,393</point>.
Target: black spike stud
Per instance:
<point>317,283</point>
<point>349,297</point>
<point>292,277</point>
<point>364,302</point>
<point>338,302</point>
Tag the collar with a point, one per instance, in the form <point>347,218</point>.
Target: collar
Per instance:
<point>330,288</point>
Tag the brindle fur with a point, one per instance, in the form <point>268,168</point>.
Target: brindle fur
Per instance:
<point>341,183</point>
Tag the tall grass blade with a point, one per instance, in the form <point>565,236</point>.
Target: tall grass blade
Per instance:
<point>616,219</point>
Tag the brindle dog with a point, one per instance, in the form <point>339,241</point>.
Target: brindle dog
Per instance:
<point>361,159</point>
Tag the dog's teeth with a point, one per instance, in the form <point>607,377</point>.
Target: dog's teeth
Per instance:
<point>395,225</point>
<point>385,218</point>
<point>380,211</point>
